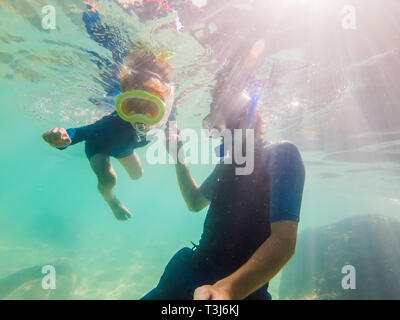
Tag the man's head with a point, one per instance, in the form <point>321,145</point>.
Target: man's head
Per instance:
<point>231,109</point>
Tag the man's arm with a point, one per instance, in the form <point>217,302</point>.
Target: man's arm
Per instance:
<point>189,188</point>
<point>263,265</point>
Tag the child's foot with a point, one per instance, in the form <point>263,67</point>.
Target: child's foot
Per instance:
<point>119,210</point>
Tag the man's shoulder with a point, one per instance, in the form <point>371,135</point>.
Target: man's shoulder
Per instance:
<point>287,173</point>
<point>275,153</point>
<point>278,148</point>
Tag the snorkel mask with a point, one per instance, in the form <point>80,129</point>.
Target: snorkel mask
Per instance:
<point>142,107</point>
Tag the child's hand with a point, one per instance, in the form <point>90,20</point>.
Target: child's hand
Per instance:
<point>57,137</point>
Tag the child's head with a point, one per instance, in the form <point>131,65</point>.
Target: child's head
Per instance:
<point>143,70</point>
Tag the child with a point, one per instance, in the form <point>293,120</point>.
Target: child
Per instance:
<point>145,104</point>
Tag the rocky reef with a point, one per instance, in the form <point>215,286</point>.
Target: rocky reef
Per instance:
<point>369,243</point>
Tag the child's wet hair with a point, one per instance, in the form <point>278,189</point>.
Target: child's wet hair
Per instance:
<point>144,70</point>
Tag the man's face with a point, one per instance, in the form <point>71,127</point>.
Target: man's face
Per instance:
<point>227,109</point>
<point>215,120</point>
<point>228,116</point>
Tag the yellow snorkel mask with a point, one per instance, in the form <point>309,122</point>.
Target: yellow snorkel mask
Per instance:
<point>140,107</point>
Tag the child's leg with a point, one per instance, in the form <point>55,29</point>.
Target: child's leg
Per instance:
<point>132,165</point>
<point>107,178</point>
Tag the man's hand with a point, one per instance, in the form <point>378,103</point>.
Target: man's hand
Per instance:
<point>213,292</point>
<point>173,142</point>
<point>57,137</point>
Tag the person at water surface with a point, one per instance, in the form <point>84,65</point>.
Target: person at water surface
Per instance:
<point>112,136</point>
<point>250,230</point>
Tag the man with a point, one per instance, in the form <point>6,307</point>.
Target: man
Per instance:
<point>251,226</point>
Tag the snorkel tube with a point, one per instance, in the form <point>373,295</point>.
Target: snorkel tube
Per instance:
<point>253,106</point>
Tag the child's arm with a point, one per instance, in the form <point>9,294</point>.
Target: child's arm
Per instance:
<point>61,138</point>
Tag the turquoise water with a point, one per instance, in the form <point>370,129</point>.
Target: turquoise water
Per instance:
<point>342,112</point>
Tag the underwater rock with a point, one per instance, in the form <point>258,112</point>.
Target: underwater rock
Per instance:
<point>27,283</point>
<point>370,243</point>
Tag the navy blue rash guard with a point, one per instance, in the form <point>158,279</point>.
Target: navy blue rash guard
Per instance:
<point>110,135</point>
<point>238,221</point>
<point>243,208</point>
<point>283,162</point>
